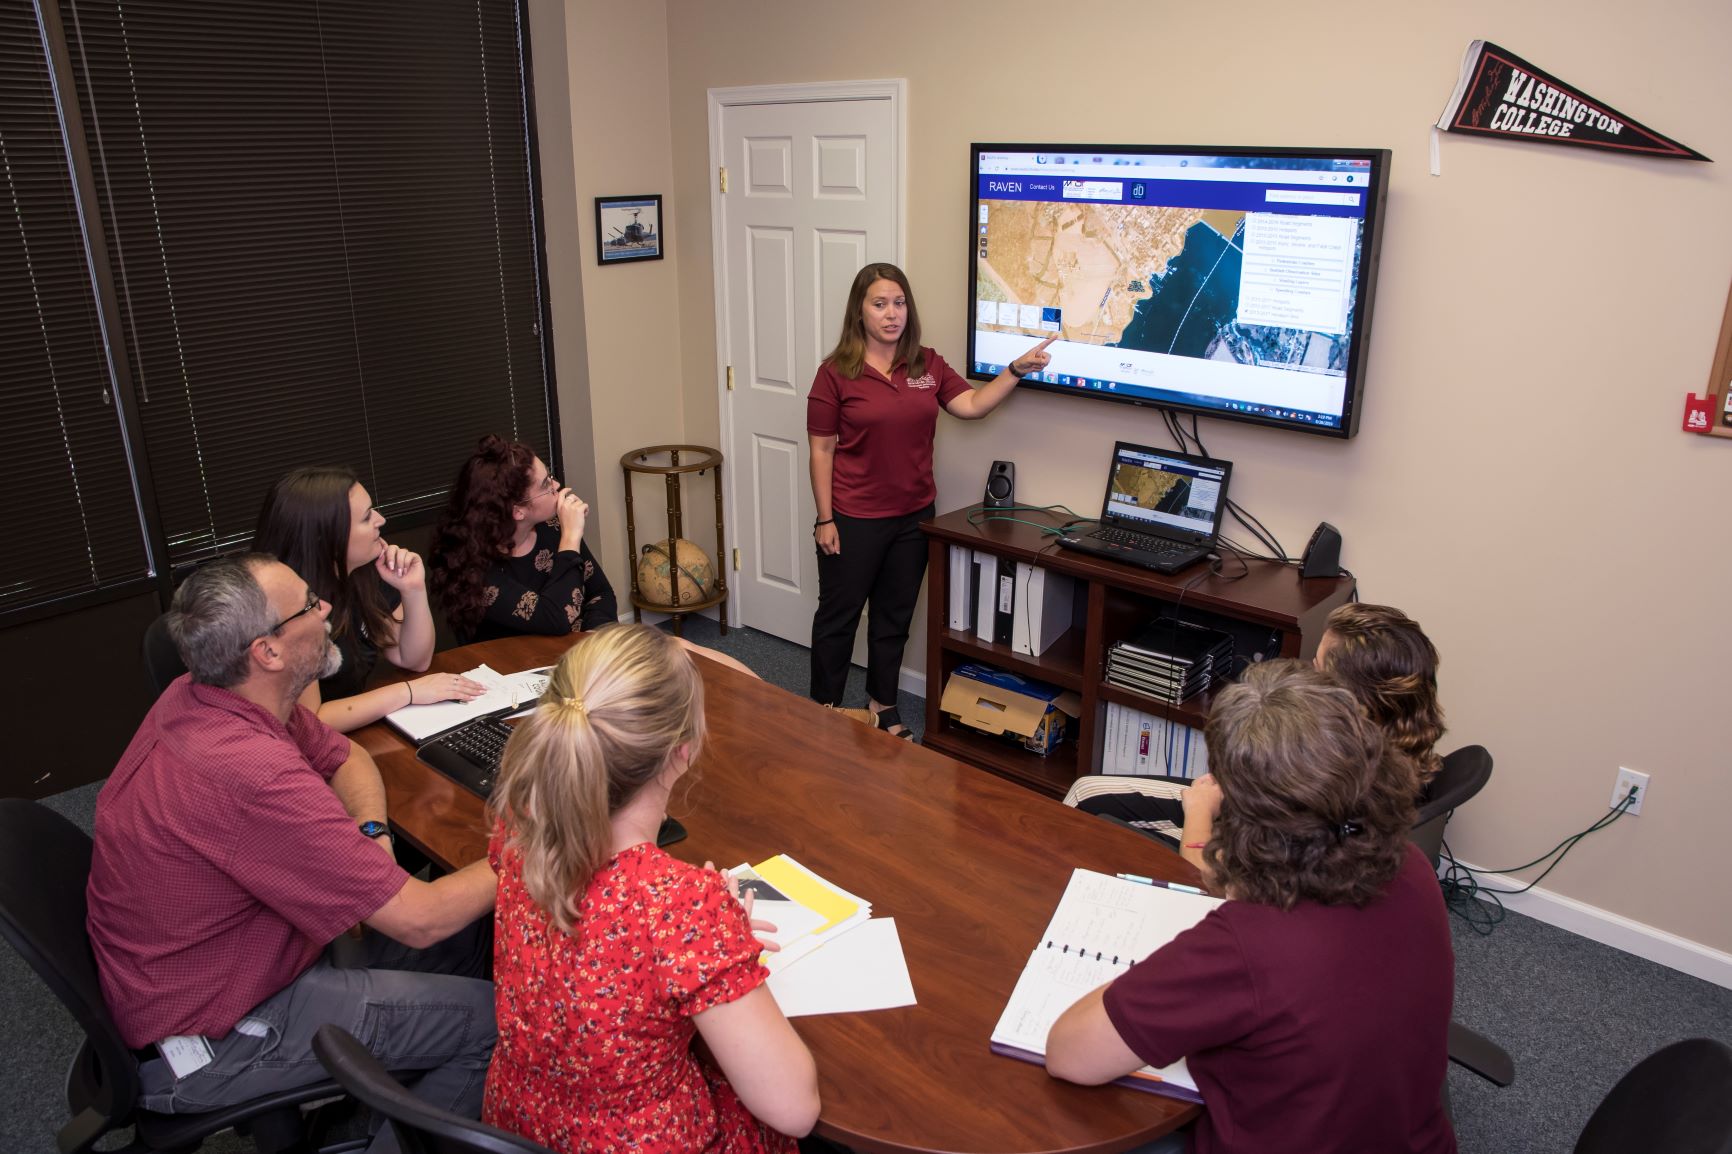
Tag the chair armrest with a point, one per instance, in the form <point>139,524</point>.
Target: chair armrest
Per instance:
<point>1121,822</point>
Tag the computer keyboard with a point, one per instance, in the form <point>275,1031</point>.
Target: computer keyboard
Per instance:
<point>469,754</point>
<point>1134,540</point>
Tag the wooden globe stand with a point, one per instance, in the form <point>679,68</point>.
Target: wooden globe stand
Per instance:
<point>701,461</point>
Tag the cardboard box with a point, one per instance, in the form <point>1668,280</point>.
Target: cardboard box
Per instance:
<point>1032,713</point>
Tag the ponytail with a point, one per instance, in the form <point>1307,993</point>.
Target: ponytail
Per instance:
<point>615,710</point>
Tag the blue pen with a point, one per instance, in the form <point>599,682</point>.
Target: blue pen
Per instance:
<point>1140,880</point>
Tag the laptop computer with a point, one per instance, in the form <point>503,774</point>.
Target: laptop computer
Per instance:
<point>1162,510</point>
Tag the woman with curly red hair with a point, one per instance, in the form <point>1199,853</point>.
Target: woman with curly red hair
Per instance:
<point>1312,1007</point>
<point>509,557</point>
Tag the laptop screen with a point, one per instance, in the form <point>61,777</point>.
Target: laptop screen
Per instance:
<point>1167,493</point>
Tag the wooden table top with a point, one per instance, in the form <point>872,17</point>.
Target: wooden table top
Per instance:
<point>970,866</point>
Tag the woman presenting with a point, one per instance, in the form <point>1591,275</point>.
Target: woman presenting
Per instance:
<point>870,419</point>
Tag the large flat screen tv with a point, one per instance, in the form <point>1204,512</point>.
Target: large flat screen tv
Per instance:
<point>1231,282</point>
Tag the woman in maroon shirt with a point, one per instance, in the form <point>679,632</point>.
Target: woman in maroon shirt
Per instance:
<point>870,420</point>
<point>1312,1007</point>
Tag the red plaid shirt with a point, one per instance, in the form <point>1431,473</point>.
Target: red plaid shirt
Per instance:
<point>224,863</point>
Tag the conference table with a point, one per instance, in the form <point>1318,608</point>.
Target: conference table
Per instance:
<point>971,867</point>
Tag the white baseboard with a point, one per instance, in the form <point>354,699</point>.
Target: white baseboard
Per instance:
<point>1615,930</point>
<point>912,681</point>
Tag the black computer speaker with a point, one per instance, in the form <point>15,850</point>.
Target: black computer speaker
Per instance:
<point>1000,485</point>
<point>1323,553</point>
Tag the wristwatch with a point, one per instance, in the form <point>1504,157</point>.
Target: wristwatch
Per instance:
<point>375,829</point>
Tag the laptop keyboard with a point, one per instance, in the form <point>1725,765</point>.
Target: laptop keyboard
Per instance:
<point>469,755</point>
<point>1131,539</point>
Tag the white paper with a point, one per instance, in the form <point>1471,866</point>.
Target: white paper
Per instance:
<point>186,1053</point>
<point>863,969</point>
<point>791,919</point>
<point>1102,927</point>
<point>1051,983</point>
<point>504,691</point>
<point>796,924</point>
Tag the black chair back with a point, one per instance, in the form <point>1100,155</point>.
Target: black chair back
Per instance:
<point>162,663</point>
<point>1678,1100</point>
<point>1464,773</point>
<point>421,1129</point>
<point>44,866</point>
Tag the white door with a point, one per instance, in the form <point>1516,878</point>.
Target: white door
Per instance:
<point>813,192</point>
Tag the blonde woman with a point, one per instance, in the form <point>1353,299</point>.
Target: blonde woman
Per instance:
<point>610,955</point>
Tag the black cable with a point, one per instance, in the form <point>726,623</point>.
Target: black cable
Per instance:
<point>1463,890</point>
<point>1565,846</point>
<point>980,514</point>
<point>1261,531</point>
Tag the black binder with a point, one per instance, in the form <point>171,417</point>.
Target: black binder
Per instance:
<point>1005,618</point>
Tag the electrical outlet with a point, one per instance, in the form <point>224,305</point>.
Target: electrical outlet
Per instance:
<point>1629,779</point>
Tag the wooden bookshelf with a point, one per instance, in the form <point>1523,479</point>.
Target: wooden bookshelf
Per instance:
<point>1264,603</point>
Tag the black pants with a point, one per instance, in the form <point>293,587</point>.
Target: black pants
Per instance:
<point>882,562</point>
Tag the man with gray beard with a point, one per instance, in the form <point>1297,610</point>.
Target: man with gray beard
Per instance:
<point>236,839</point>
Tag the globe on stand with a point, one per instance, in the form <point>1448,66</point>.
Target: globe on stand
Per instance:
<point>655,579</point>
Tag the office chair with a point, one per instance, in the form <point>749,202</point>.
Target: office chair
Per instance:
<point>1465,772</point>
<point>44,868</point>
<point>420,1128</point>
<point>162,663</point>
<point>1677,1100</point>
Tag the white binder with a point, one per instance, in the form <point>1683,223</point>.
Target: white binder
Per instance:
<point>1043,608</point>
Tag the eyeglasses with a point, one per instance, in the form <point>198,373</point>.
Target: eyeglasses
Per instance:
<point>548,484</point>
<point>312,604</point>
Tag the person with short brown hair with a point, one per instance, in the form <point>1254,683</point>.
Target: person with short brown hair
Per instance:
<point>1312,1007</point>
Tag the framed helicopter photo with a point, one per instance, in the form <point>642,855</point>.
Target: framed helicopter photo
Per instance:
<point>628,228</point>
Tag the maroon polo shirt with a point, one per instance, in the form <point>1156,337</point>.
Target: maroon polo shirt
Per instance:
<point>883,430</point>
<point>224,863</point>
<point>1316,1028</point>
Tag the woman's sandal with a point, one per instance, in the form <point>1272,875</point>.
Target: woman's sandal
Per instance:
<point>885,718</point>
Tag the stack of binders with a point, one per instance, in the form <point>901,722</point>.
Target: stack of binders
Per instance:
<point>1171,660</point>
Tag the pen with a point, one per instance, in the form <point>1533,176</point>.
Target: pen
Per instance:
<point>1140,880</point>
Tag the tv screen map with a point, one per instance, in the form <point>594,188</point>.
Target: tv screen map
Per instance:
<point>1101,263</point>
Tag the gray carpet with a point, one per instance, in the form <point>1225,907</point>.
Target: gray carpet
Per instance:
<point>1574,1014</point>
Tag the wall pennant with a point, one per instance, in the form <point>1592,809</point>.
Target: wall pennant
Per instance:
<point>1500,94</point>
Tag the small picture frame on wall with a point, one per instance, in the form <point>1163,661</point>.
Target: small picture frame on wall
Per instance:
<point>628,228</point>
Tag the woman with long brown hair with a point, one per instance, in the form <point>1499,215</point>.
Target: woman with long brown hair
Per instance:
<point>870,421</point>
<point>1312,1007</point>
<point>509,555</point>
<point>1378,653</point>
<point>320,521</point>
<point>1386,660</point>
<point>613,957</point>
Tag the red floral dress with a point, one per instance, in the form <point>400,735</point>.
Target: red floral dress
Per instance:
<point>595,1026</point>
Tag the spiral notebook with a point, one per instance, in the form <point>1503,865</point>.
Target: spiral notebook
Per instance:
<point>1102,927</point>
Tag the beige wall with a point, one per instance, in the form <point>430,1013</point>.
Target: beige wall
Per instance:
<point>562,235</point>
<point>1519,482</point>
<point>616,63</point>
